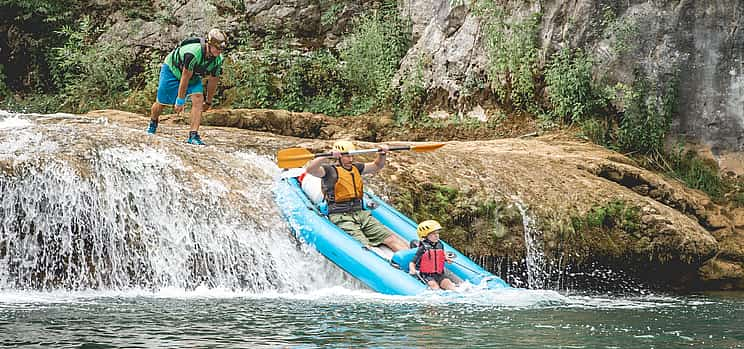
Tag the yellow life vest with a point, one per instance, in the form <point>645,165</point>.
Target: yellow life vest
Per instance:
<point>348,185</point>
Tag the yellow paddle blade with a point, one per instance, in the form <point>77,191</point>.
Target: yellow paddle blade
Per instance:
<point>293,157</point>
<point>426,147</point>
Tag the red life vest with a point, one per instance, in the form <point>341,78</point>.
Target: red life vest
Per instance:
<point>432,260</point>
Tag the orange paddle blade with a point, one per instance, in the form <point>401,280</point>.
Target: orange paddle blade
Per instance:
<point>293,157</point>
<point>426,147</point>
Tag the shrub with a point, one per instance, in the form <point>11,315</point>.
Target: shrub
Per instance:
<point>91,75</point>
<point>277,77</point>
<point>371,54</point>
<point>143,93</point>
<point>512,53</point>
<point>647,117</point>
<point>247,78</point>
<point>569,80</point>
<point>697,173</point>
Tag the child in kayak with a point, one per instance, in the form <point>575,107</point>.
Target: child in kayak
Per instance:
<point>430,257</point>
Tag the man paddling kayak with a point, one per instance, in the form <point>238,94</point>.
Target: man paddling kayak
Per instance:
<point>343,188</point>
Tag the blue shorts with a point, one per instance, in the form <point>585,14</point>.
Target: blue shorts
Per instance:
<point>168,86</point>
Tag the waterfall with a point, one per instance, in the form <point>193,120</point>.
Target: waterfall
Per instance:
<point>106,208</point>
<point>537,271</point>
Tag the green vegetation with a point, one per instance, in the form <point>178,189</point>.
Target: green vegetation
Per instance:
<point>456,211</point>
<point>412,95</point>
<point>613,215</point>
<point>89,75</point>
<point>276,77</point>
<point>624,31</point>
<point>371,54</point>
<point>70,69</point>
<point>4,90</point>
<point>512,53</point>
<point>695,172</point>
<point>568,78</point>
<point>353,81</point>
<point>647,118</point>
<point>330,15</point>
<point>144,88</point>
<point>34,24</point>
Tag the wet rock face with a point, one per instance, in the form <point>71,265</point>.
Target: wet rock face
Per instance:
<point>700,45</point>
<point>87,203</point>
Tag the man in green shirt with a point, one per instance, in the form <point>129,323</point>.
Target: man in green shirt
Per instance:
<point>181,76</point>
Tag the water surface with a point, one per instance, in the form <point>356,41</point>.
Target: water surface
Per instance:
<point>340,317</point>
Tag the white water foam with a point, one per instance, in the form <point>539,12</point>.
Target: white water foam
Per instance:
<point>14,122</point>
<point>501,298</point>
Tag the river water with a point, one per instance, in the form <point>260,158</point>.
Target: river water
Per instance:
<point>343,317</point>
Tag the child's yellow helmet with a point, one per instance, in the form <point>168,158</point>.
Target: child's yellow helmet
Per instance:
<point>343,146</point>
<point>427,227</point>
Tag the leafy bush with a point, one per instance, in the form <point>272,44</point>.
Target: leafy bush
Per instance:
<point>247,78</point>
<point>647,117</point>
<point>597,130</point>
<point>143,94</point>
<point>569,81</point>
<point>91,75</point>
<point>512,53</point>
<point>277,77</point>
<point>697,173</point>
<point>371,54</point>
<point>313,83</point>
<point>35,23</point>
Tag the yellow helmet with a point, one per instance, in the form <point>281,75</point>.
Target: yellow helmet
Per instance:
<point>427,227</point>
<point>343,146</point>
<point>217,38</point>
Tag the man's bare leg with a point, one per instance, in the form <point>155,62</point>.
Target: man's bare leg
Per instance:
<point>155,111</point>
<point>197,103</point>
<point>395,243</point>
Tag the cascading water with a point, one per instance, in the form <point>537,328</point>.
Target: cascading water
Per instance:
<point>537,274</point>
<point>108,210</point>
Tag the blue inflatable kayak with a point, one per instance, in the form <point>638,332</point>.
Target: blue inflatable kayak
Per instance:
<point>378,267</point>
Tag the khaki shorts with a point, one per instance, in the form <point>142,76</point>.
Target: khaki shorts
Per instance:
<point>362,226</point>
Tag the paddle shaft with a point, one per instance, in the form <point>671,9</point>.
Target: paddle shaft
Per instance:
<point>362,151</point>
<point>296,157</point>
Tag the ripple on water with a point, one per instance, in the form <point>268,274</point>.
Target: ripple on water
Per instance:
<point>338,317</point>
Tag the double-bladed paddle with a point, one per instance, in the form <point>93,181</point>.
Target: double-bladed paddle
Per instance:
<point>296,157</point>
